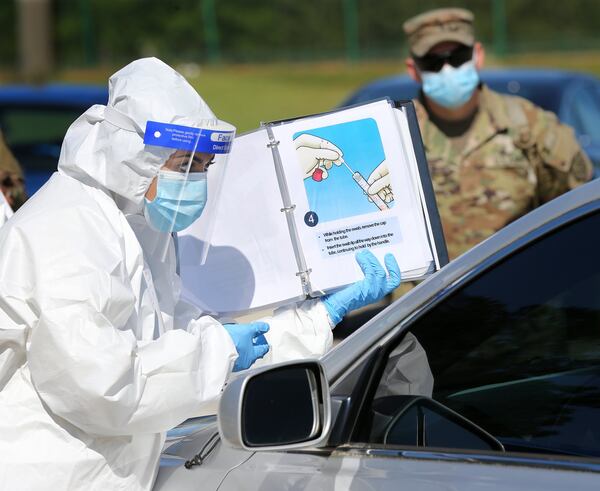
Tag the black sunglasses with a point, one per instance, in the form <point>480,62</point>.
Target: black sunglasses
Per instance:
<point>434,62</point>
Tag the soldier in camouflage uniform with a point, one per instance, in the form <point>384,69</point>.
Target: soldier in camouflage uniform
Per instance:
<point>492,157</point>
<point>12,184</point>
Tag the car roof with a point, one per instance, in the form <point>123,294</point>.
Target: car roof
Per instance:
<point>384,324</point>
<point>53,95</point>
<point>401,85</point>
<point>539,75</point>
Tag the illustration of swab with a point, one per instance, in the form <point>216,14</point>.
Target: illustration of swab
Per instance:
<point>364,185</point>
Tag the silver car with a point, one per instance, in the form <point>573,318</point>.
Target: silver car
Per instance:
<point>485,376</point>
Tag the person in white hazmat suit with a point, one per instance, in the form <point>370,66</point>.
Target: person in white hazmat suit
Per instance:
<point>98,357</point>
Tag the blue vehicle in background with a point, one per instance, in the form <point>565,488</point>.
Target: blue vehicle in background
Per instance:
<point>573,97</point>
<point>34,121</point>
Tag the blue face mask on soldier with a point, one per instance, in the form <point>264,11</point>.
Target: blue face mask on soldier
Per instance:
<point>451,87</point>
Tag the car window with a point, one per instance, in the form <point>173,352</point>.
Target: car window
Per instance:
<point>516,351</point>
<point>583,113</point>
<point>545,95</point>
<point>35,125</point>
<point>35,136</point>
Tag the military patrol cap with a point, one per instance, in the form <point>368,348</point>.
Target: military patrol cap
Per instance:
<point>437,26</point>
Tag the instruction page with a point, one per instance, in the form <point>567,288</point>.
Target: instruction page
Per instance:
<point>351,181</point>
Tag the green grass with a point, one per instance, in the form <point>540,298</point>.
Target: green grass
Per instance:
<point>245,95</point>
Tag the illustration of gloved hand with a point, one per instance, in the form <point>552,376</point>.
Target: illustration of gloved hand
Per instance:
<point>249,341</point>
<point>316,156</point>
<point>379,183</point>
<point>376,285</point>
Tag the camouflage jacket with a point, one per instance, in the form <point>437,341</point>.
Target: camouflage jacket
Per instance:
<point>11,177</point>
<point>514,157</point>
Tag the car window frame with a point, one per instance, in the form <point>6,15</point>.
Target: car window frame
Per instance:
<point>376,358</point>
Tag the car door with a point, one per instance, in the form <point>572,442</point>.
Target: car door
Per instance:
<point>514,352</point>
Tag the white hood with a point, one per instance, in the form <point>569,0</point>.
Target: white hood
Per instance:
<point>101,154</point>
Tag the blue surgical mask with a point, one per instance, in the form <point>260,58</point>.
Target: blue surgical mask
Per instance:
<point>451,87</point>
<point>179,201</point>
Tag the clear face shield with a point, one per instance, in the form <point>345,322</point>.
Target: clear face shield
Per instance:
<point>190,178</point>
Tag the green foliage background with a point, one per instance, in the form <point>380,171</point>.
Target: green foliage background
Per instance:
<point>284,58</point>
<point>113,31</point>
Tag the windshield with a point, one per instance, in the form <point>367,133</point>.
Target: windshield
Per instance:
<point>582,111</point>
<point>548,96</point>
<point>35,135</point>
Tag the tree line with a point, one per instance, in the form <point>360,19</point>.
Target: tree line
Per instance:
<point>111,31</point>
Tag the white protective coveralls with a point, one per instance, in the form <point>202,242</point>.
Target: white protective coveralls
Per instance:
<point>5,210</point>
<point>88,384</point>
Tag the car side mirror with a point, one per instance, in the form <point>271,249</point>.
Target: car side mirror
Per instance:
<point>422,422</point>
<point>282,407</point>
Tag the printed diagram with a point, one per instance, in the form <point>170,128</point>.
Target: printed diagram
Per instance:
<point>344,169</point>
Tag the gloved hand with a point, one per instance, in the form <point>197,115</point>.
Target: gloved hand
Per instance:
<point>379,183</point>
<point>316,156</point>
<point>376,285</point>
<point>249,343</point>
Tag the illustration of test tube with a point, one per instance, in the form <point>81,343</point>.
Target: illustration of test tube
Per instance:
<point>364,185</point>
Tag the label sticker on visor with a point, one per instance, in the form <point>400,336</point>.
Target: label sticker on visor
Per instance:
<point>185,137</point>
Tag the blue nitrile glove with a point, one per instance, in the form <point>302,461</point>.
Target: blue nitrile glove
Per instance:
<point>249,343</point>
<point>376,285</point>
